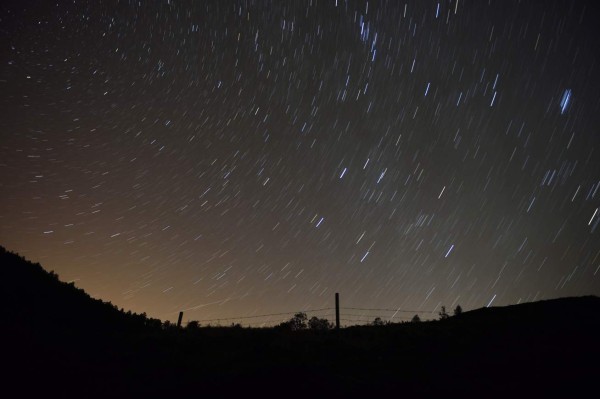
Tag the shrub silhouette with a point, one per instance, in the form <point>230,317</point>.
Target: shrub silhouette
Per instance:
<point>193,325</point>
<point>457,311</point>
<point>298,322</point>
<point>416,319</point>
<point>317,324</point>
<point>378,322</point>
<point>443,314</point>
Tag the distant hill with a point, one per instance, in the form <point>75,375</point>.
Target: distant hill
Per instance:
<point>33,297</point>
<point>60,342</point>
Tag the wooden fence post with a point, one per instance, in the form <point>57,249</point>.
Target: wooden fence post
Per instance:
<point>337,311</point>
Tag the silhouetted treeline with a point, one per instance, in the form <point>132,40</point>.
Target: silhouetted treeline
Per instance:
<point>62,343</point>
<point>38,298</point>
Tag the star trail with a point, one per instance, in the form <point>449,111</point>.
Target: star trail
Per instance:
<point>239,158</point>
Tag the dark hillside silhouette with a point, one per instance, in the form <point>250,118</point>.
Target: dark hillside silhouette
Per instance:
<point>62,343</point>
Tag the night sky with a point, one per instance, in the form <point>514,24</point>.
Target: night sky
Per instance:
<point>238,158</point>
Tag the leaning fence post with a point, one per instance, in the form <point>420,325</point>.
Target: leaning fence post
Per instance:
<point>179,320</point>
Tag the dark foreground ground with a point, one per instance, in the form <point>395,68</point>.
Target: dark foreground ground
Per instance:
<point>59,342</point>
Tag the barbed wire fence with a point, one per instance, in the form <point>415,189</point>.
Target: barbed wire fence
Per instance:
<point>349,316</point>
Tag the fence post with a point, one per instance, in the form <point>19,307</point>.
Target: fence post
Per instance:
<point>179,320</point>
<point>337,311</point>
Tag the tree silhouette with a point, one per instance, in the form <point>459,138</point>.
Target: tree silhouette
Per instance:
<point>378,322</point>
<point>319,324</point>
<point>457,311</point>
<point>443,314</point>
<point>193,325</point>
<point>298,322</point>
<point>416,319</point>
